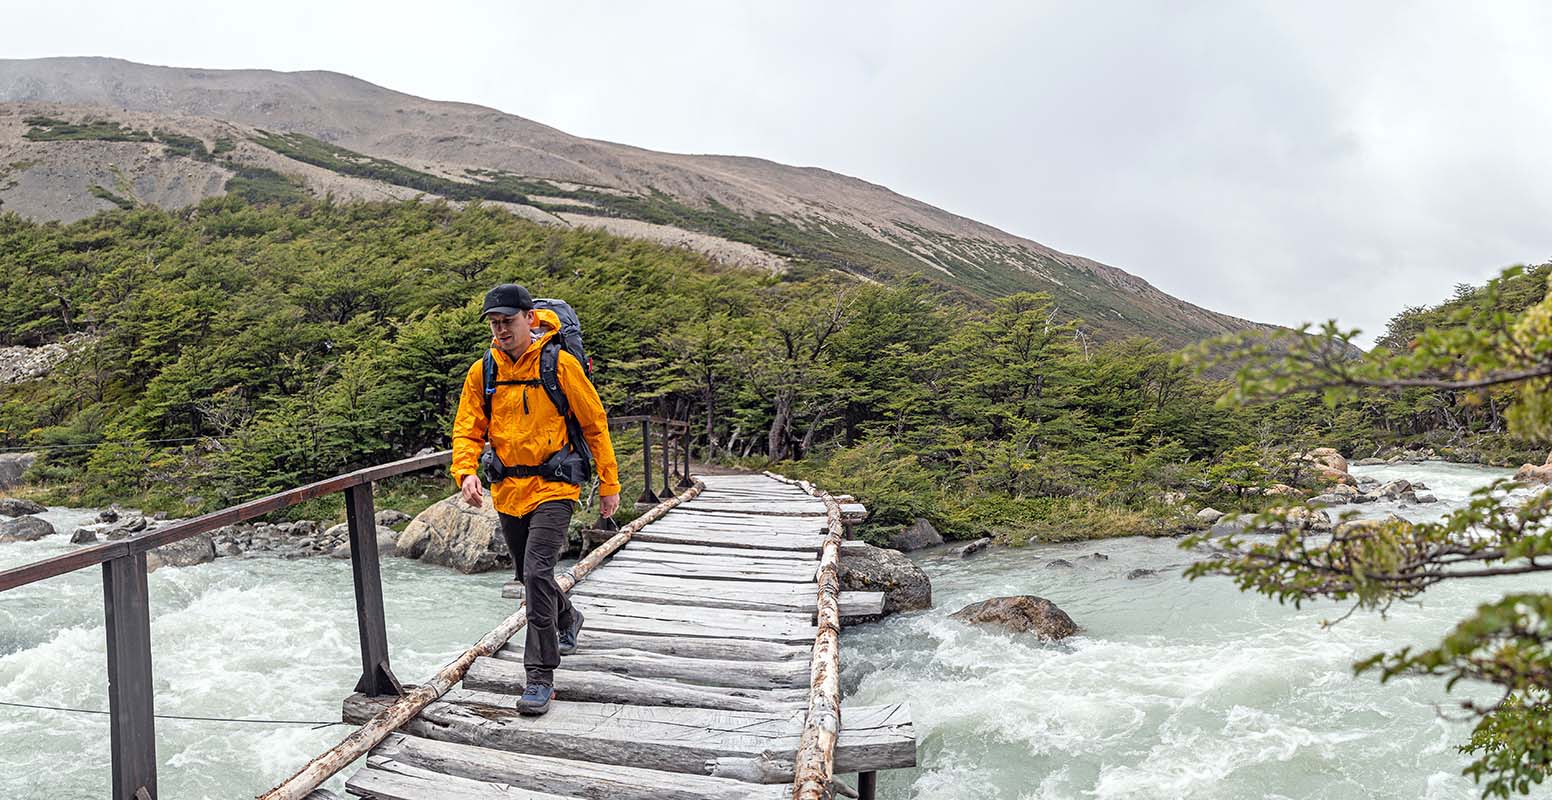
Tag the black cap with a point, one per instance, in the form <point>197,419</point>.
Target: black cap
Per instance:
<point>508,299</point>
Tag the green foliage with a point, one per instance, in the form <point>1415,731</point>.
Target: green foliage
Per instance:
<point>122,202</point>
<point>259,185</point>
<point>1487,346</point>
<point>47,129</point>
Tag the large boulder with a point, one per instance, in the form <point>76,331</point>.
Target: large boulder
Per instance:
<point>865,568</point>
<point>17,507</point>
<point>13,466</point>
<point>1209,515</point>
<point>389,517</point>
<point>1327,457</point>
<point>25,529</point>
<point>975,547</point>
<point>916,536</point>
<point>1020,614</point>
<point>1307,518</point>
<point>454,534</point>
<point>386,540</point>
<point>1534,473</point>
<point>197,549</point>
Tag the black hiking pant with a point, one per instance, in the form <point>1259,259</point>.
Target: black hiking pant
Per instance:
<point>536,541</point>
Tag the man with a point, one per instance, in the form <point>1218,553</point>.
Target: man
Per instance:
<point>528,436</point>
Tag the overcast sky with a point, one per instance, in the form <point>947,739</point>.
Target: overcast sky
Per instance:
<point>1285,162</point>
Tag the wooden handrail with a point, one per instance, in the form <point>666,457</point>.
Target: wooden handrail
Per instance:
<point>178,531</point>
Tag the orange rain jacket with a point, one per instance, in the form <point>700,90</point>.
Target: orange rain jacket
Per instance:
<point>527,427</point>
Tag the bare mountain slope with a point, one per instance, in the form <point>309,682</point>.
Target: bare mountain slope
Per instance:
<point>335,133</point>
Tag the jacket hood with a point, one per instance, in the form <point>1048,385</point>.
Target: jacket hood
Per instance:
<point>548,326</point>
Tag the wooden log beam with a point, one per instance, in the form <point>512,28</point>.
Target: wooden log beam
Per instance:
<point>815,763</point>
<point>406,706</point>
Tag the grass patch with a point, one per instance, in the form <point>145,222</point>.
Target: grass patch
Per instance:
<point>48,129</point>
<point>103,193</point>
<point>260,185</point>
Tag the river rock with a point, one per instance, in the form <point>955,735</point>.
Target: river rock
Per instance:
<point>24,529</point>
<point>1394,489</point>
<point>389,517</point>
<point>1209,515</point>
<point>82,535</point>
<point>454,534</point>
<point>1327,457</point>
<point>975,547</point>
<point>916,536</point>
<point>1282,490</point>
<point>1426,498</point>
<point>1536,474</point>
<point>17,507</point>
<point>13,466</point>
<point>1362,498</point>
<point>1020,614</point>
<point>197,549</point>
<point>865,568</point>
<point>1345,490</point>
<point>385,542</point>
<point>1058,563</point>
<point>1301,517</point>
<point>1141,572</point>
<point>1328,499</point>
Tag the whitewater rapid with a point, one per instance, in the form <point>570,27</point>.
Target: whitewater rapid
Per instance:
<point>1174,688</point>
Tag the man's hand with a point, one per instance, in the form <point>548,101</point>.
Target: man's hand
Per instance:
<point>608,504</point>
<point>473,492</point>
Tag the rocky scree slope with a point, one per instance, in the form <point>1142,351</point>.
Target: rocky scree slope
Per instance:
<point>270,133</point>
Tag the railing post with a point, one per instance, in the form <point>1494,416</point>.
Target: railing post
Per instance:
<point>647,497</point>
<point>667,490</point>
<point>376,676</point>
<point>685,481</point>
<point>132,728</point>
<point>867,786</point>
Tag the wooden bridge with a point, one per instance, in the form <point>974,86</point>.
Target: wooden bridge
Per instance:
<point>709,665</point>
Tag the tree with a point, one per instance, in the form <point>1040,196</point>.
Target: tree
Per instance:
<point>1476,346</point>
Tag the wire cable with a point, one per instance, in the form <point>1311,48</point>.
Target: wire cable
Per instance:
<point>186,718</point>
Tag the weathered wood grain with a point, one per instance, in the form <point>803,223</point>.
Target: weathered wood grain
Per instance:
<point>565,777</point>
<point>386,779</point>
<point>696,741</point>
<point>752,674</point>
<point>572,684</point>
<point>595,641</point>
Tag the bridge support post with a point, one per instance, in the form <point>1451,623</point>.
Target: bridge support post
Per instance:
<point>647,498</point>
<point>667,448</point>
<point>132,728</point>
<point>867,785</point>
<point>685,481</point>
<point>376,676</point>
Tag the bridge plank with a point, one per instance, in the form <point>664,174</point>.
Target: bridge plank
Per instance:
<point>748,552</point>
<point>386,779</point>
<point>753,746</point>
<point>792,674</point>
<point>597,641</point>
<point>806,544</point>
<point>602,686</point>
<point>566,777</point>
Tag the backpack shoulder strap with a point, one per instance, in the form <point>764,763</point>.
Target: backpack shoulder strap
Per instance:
<point>549,377</point>
<point>489,376</point>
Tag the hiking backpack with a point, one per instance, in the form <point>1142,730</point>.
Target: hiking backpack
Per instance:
<point>572,464</point>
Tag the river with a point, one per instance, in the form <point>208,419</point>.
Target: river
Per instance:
<point>1174,688</point>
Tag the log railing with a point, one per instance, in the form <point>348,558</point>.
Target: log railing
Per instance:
<point>126,599</point>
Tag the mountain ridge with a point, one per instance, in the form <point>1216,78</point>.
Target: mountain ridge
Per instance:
<point>721,204</point>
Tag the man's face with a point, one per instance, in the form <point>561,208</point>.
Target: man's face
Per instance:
<point>512,333</point>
